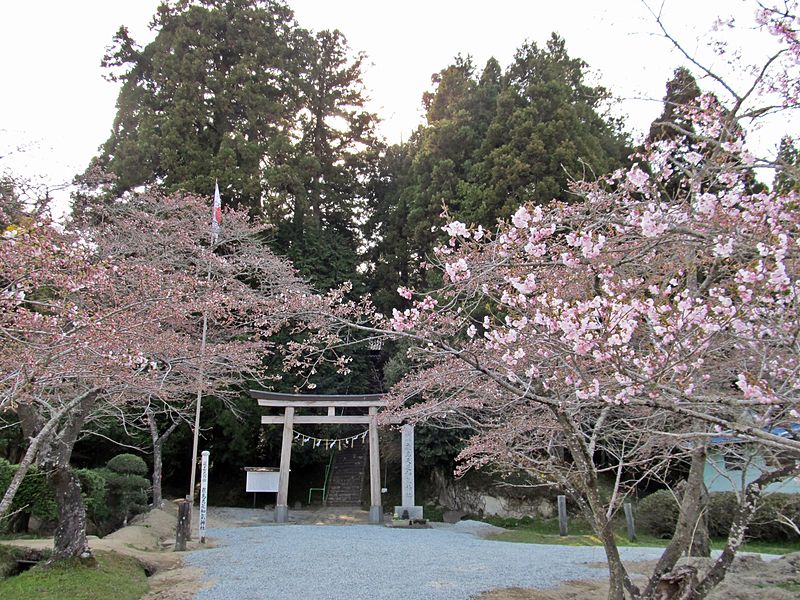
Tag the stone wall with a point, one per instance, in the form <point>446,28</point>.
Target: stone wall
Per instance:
<point>483,496</point>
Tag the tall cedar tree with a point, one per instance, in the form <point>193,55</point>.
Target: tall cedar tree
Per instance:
<point>236,91</point>
<point>213,96</point>
<point>492,140</point>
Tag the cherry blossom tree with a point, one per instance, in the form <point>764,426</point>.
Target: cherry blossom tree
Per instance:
<point>611,338</point>
<point>105,317</point>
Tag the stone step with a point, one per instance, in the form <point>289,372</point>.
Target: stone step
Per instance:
<point>347,477</point>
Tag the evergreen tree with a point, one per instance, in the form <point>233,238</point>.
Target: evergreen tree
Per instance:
<point>547,128</point>
<point>318,193</point>
<point>787,177</point>
<point>237,91</point>
<point>493,140</point>
<point>213,96</point>
<point>682,91</point>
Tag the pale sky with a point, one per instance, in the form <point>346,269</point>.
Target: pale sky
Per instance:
<point>55,102</point>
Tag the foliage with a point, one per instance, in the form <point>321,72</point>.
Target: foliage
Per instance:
<point>94,488</point>
<point>770,523</point>
<point>34,496</point>
<point>787,177</point>
<point>205,99</point>
<point>240,93</point>
<point>682,90</point>
<point>721,510</point>
<point>509,522</point>
<point>580,534</point>
<point>127,487</point>
<point>127,464</point>
<point>493,140</point>
<point>438,448</point>
<point>9,555</point>
<point>657,514</point>
<point>114,576</point>
<point>433,513</point>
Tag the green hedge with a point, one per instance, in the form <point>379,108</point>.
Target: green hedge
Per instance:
<point>110,494</point>
<point>34,494</point>
<point>94,489</point>
<point>765,525</point>
<point>657,514</point>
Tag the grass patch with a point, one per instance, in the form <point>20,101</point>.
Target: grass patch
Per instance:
<point>762,547</point>
<point>580,534</point>
<point>114,576</point>
<point>534,535</point>
<point>11,555</point>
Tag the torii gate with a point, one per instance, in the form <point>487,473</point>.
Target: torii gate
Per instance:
<point>289,402</point>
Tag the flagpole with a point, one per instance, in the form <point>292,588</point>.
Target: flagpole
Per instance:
<point>216,217</point>
<point>200,380</point>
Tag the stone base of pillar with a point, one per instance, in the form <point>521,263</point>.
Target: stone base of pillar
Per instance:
<point>281,514</point>
<point>376,515</point>
<point>414,512</point>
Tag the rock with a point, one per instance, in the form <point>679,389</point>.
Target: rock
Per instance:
<point>680,583</point>
<point>453,516</point>
<point>746,562</point>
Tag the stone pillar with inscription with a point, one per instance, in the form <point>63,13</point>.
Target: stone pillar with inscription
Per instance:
<point>408,510</point>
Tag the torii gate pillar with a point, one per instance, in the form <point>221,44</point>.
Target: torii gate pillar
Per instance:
<point>282,505</point>
<point>375,507</point>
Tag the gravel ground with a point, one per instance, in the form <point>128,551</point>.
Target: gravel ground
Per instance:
<point>357,562</point>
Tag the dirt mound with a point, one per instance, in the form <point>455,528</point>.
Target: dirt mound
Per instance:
<point>748,577</point>
<point>146,531</point>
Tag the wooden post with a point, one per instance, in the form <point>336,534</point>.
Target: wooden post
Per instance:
<point>375,508</point>
<point>184,525</point>
<point>282,505</point>
<point>629,521</point>
<point>562,515</point>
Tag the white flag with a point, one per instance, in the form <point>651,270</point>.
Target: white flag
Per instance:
<point>216,214</point>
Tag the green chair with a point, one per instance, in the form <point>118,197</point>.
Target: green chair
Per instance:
<point>324,488</point>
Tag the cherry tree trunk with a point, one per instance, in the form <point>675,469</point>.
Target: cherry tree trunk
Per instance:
<point>158,446</point>
<point>157,468</point>
<point>70,535</point>
<point>701,543</point>
<point>691,524</point>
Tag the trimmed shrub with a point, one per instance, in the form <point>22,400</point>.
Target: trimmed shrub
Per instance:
<point>766,524</point>
<point>657,514</point>
<point>127,488</point>
<point>128,464</point>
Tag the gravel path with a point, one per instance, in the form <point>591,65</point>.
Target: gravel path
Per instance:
<point>358,562</point>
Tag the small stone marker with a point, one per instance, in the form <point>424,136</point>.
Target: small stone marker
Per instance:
<point>407,476</point>
<point>628,508</point>
<point>203,495</point>
<point>562,515</point>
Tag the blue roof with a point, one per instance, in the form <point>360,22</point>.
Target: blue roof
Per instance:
<point>790,430</point>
